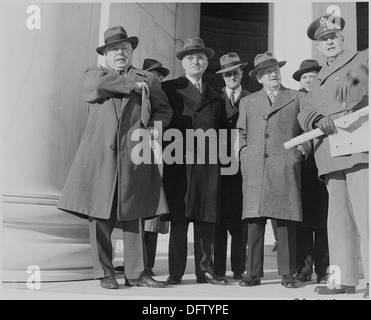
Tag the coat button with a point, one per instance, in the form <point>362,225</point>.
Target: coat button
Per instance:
<point>265,117</point>
<point>266,155</point>
<point>337,78</point>
<point>267,135</point>
<point>322,87</point>
<point>344,105</point>
<point>112,147</point>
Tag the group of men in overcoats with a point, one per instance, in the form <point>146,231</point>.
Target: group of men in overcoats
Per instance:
<point>108,188</point>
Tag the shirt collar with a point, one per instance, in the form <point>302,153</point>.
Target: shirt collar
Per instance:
<point>193,81</point>
<point>236,91</point>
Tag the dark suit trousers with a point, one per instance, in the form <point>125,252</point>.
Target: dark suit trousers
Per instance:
<point>150,239</point>
<point>312,247</point>
<point>238,232</point>
<point>135,255</point>
<point>286,246</point>
<point>203,247</point>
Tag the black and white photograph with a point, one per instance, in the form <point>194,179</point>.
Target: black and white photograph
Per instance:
<point>184,157</point>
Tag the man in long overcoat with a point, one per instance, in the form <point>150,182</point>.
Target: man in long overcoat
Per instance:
<point>270,173</point>
<point>231,185</point>
<point>191,187</point>
<point>104,184</point>
<point>347,176</point>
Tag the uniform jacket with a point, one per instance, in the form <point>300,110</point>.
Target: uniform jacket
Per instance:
<point>103,163</point>
<point>271,174</point>
<point>192,190</point>
<point>321,100</point>
<point>231,185</point>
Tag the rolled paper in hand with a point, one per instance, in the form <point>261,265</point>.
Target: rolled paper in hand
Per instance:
<point>303,138</point>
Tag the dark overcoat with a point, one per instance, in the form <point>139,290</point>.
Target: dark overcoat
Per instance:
<point>231,185</point>
<point>103,165</point>
<point>321,100</point>
<point>271,174</point>
<point>192,190</point>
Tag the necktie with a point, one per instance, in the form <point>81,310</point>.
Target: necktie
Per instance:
<point>272,97</point>
<point>198,86</point>
<point>232,98</point>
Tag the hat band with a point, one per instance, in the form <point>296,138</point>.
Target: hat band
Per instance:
<point>193,48</point>
<point>231,64</point>
<point>266,63</point>
<point>115,37</point>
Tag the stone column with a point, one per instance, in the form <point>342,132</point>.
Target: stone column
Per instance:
<point>43,119</point>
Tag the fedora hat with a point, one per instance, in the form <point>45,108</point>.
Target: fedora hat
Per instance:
<point>230,61</point>
<point>264,60</point>
<point>193,45</point>
<point>325,25</point>
<point>152,64</point>
<point>306,66</point>
<point>115,35</point>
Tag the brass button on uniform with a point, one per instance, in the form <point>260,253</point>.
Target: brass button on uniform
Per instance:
<point>112,147</point>
<point>344,105</point>
<point>337,78</point>
<point>265,117</point>
<point>267,135</point>
<point>266,155</point>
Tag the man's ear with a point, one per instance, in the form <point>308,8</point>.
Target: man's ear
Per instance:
<point>258,78</point>
<point>318,46</point>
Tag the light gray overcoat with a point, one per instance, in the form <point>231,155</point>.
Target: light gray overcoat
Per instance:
<point>270,173</point>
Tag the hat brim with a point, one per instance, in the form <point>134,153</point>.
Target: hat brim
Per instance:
<point>297,75</point>
<point>133,40</point>
<point>232,68</point>
<point>254,71</point>
<point>208,51</point>
<point>164,71</point>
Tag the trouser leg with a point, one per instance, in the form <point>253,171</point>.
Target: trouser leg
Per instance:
<point>178,247</point>
<point>238,245</point>
<point>100,231</point>
<point>342,231</point>
<point>255,246</point>
<point>203,246</point>
<point>135,255</point>
<point>151,247</point>
<point>304,249</point>
<point>321,255</point>
<point>220,246</point>
<point>358,186</point>
<point>286,246</point>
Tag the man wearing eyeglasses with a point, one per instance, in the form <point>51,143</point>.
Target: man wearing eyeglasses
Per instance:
<point>231,185</point>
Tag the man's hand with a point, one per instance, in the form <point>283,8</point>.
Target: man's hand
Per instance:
<point>137,87</point>
<point>326,125</point>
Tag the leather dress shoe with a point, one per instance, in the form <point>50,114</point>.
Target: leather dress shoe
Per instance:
<point>238,275</point>
<point>147,281</point>
<point>341,289</point>
<point>289,281</point>
<point>207,277</point>
<point>174,280</point>
<point>367,293</point>
<point>250,281</point>
<point>322,278</point>
<point>303,277</point>
<point>109,283</point>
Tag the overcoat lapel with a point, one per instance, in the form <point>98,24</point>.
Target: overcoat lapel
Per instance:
<point>262,101</point>
<point>207,95</point>
<point>282,99</point>
<point>342,59</point>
